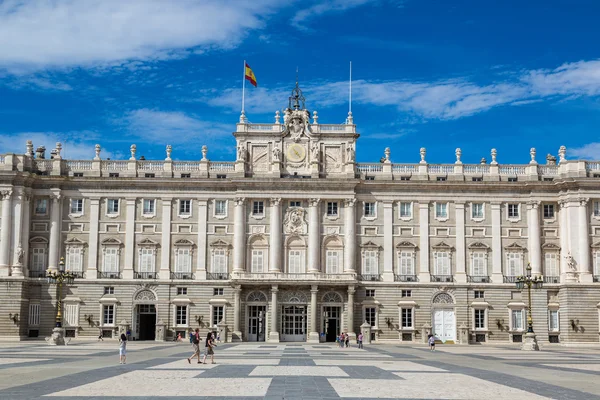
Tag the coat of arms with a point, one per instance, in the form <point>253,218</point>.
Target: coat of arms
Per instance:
<point>294,221</point>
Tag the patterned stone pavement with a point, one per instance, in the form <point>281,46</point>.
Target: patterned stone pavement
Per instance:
<point>32,370</point>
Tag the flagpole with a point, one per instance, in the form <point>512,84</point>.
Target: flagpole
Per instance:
<point>350,119</point>
<point>243,116</point>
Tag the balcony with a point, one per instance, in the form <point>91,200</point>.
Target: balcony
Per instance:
<point>109,275</point>
<point>405,278</point>
<point>217,276</point>
<point>551,279</point>
<point>37,274</point>
<point>510,279</point>
<point>280,276</point>
<point>478,279</point>
<point>182,275</point>
<point>369,277</point>
<point>145,275</point>
<point>442,278</point>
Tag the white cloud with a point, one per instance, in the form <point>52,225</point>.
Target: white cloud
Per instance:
<point>320,8</point>
<point>36,35</point>
<point>590,151</point>
<point>75,145</point>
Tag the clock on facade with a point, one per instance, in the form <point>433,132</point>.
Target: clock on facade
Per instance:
<point>296,152</point>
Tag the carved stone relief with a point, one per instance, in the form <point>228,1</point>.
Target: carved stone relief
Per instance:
<point>294,221</point>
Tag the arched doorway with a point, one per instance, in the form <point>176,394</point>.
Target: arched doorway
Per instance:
<point>293,317</point>
<point>443,317</point>
<point>256,311</point>
<point>332,304</point>
<point>144,315</point>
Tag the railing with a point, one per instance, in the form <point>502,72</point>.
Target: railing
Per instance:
<point>310,276</point>
<point>405,278</point>
<point>260,128</point>
<point>548,170</point>
<point>551,279</point>
<point>369,277</point>
<point>182,275</point>
<point>592,165</point>
<point>510,279</point>
<point>405,168</point>
<point>478,279</point>
<point>331,128</point>
<point>151,165</point>
<point>1,159</point>
<point>79,165</point>
<point>222,166</point>
<point>370,168</point>
<point>109,275</point>
<point>512,169</point>
<point>78,274</point>
<point>109,165</point>
<point>43,165</point>
<point>442,278</point>
<point>37,274</point>
<point>476,169</point>
<point>440,169</point>
<point>217,276</point>
<point>186,166</point>
<point>145,275</point>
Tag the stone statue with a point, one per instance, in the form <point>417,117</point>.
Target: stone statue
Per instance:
<point>349,153</point>
<point>571,263</point>
<point>276,154</point>
<point>297,123</point>
<point>241,153</point>
<point>314,151</point>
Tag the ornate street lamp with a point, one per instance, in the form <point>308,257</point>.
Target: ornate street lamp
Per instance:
<point>536,282</point>
<point>59,278</point>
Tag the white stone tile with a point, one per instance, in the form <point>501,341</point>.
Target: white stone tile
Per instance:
<point>284,370</point>
<point>183,364</point>
<point>583,367</point>
<point>4,361</point>
<point>429,386</point>
<point>385,365</point>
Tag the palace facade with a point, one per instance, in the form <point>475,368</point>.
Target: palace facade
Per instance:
<point>296,241</point>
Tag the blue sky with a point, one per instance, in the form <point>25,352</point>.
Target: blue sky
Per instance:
<point>442,74</point>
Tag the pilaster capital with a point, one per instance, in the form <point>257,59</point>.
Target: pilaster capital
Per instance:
<point>239,201</point>
<point>5,194</point>
<point>314,202</point>
<point>459,204</point>
<point>351,290</point>
<point>94,201</point>
<point>27,196</point>
<point>167,201</point>
<point>534,204</point>
<point>274,289</point>
<point>237,289</point>
<point>55,197</point>
<point>496,205</point>
<point>423,204</point>
<point>275,201</point>
<point>314,289</point>
<point>131,200</point>
<point>350,202</point>
<point>583,201</point>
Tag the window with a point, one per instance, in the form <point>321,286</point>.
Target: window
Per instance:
<point>219,261</point>
<point>220,208</point>
<point>478,264</point>
<point>221,176</point>
<point>257,261</point>
<point>514,267</point>
<point>548,211</point>
<point>553,321</point>
<point>295,262</point>
<point>181,315</point>
<point>441,179</point>
<point>513,210</point>
<point>369,209</point>
<point>597,209</point>
<point>442,263</point>
<point>332,209</point>
<point>332,261</point>
<point>369,178</point>
<point>369,292</point>
<point>111,263</point>
<point>596,263</point>
<point>295,204</point>
<point>149,207</point>
<point>407,317</point>
<point>74,259</point>
<point>183,260</point>
<point>218,292</point>
<point>405,178</point>
<point>109,290</point>
<point>185,207</point>
<point>186,175</point>
<point>441,210</point>
<point>477,179</point>
<point>217,314</point>
<point>108,315</point>
<point>405,210</point>
<point>517,320</point>
<point>258,208</point>
<point>513,179</point>
<point>407,265</point>
<point>149,175</point>
<point>34,314</point>
<point>478,294</point>
<point>551,267</point>
<point>477,210</point>
<point>41,206</point>
<point>113,174</point>
<point>38,261</point>
<point>146,260</point>
<point>181,291</point>
<point>77,174</point>
<point>76,206</point>
<point>406,293</point>
<point>479,319</point>
<point>371,315</point>
<point>370,266</point>
<point>112,206</point>
<point>71,317</point>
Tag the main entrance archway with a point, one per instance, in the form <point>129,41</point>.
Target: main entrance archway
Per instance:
<point>293,317</point>
<point>144,315</point>
<point>443,317</point>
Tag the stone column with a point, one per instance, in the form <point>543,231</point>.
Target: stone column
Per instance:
<point>237,311</point>
<point>585,266</point>
<point>276,236</point>
<point>165,239</point>
<point>92,265</point>
<point>202,231</point>
<point>564,236</point>
<point>26,228</point>
<point>424,275</point>
<point>314,233</point>
<point>350,236</point>
<point>5,234</point>
<point>55,225</point>
<point>313,336</point>
<point>497,276</point>
<point>129,239</point>
<point>17,252</point>
<point>461,260</point>
<point>533,228</point>
<point>274,333</point>
<point>388,241</point>
<point>350,327</point>
<point>239,235</point>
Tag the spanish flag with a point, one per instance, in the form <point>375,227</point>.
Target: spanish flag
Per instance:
<point>250,76</point>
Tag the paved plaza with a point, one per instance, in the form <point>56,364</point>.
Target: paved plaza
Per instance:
<point>296,371</point>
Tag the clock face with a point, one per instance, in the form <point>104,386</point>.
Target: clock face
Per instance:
<point>296,152</point>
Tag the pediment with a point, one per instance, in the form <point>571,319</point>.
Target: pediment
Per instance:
<point>550,246</point>
<point>596,245</point>
<point>479,246</point>
<point>111,241</point>
<point>219,243</point>
<point>75,242</point>
<point>514,247</point>
<point>147,242</point>
<point>370,244</point>
<point>406,244</point>
<point>442,245</point>
<point>184,242</point>
<point>38,239</point>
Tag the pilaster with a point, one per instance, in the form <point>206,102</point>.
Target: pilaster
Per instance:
<point>202,244</point>
<point>564,237</point>
<point>461,264</point>
<point>276,236</point>
<point>274,333</point>
<point>5,234</point>
<point>313,336</point>
<point>388,241</point>
<point>496,243</point>
<point>350,236</point>
<point>165,241</point>
<point>239,234</point>
<point>314,233</point>
<point>55,228</point>
<point>585,266</point>
<point>350,327</point>
<point>533,233</point>
<point>92,265</point>
<point>237,310</point>
<point>17,251</point>
<point>424,274</point>
<point>129,238</point>
<point>26,227</point>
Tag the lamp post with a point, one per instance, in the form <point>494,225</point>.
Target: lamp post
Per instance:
<point>59,278</point>
<point>530,342</point>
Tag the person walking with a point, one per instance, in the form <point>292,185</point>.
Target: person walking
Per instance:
<point>431,341</point>
<point>195,346</point>
<point>360,340</point>
<point>209,345</point>
<point>123,349</point>
<point>347,340</point>
<point>100,335</point>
